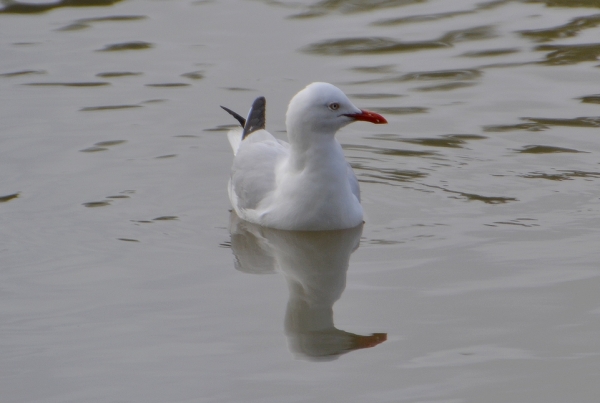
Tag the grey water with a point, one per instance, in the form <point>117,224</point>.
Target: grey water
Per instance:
<point>124,277</point>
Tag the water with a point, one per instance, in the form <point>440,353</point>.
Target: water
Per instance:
<point>476,277</point>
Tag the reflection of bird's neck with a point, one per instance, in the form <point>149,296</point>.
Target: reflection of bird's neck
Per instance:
<point>306,312</point>
<point>316,278</point>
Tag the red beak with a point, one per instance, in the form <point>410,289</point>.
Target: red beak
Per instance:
<point>368,116</point>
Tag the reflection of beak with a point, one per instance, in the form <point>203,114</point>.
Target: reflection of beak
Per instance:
<point>368,341</point>
<point>367,116</point>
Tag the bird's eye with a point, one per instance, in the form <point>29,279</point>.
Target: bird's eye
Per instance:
<point>334,106</point>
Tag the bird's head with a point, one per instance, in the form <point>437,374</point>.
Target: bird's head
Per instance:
<point>324,108</point>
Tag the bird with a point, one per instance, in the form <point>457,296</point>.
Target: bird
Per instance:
<point>305,184</point>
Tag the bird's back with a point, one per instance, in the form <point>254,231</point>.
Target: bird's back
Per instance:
<point>253,177</point>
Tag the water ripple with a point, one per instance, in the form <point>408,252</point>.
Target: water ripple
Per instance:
<point>15,7</point>
<point>491,52</point>
<point>4,199</point>
<point>370,45</point>
<point>435,75</point>
<point>118,47</point>
<point>568,3</point>
<point>469,34</point>
<point>108,107</point>
<point>445,141</point>
<point>385,175</point>
<point>389,151</point>
<point>584,121</point>
<point>22,73</point>
<point>539,124</point>
<point>538,149</point>
<point>102,146</point>
<point>476,197</point>
<point>570,54</point>
<point>194,75</point>
<point>168,85</point>
<point>419,18</point>
<point>571,29</point>
<point>562,175</point>
<point>325,7</point>
<point>591,99</point>
<point>399,110</point>
<point>375,96</point>
<point>115,74</point>
<point>72,84</point>
<point>86,22</point>
<point>445,87</point>
<point>381,45</point>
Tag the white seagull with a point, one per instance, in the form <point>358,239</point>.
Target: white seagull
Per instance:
<point>303,185</point>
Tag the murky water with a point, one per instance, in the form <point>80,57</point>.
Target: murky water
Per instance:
<point>475,277</point>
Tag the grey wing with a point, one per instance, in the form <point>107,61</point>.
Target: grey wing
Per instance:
<point>353,182</point>
<point>253,172</point>
<point>256,117</point>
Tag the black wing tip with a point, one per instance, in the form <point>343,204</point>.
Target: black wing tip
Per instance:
<point>235,115</point>
<point>257,117</point>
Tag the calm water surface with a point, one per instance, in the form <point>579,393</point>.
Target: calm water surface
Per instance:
<point>475,278</point>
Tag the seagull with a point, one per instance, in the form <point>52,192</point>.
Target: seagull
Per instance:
<point>303,185</point>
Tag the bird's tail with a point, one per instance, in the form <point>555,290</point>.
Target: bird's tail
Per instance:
<point>256,121</point>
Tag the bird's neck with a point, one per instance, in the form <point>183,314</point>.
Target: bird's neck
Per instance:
<point>312,149</point>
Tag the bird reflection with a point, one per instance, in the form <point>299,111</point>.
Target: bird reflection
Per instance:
<point>314,264</point>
